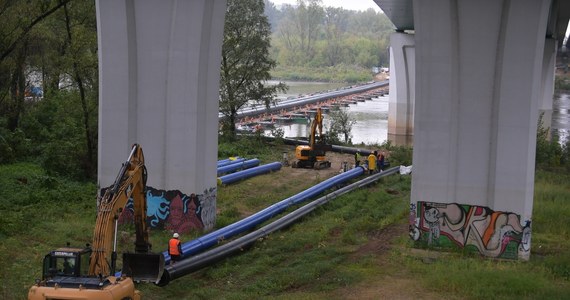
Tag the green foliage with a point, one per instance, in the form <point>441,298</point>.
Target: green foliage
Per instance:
<point>314,37</point>
<point>549,153</point>
<point>53,46</point>
<point>338,73</point>
<point>562,83</point>
<point>245,60</point>
<point>243,146</point>
<point>13,145</point>
<point>399,155</point>
<point>340,126</point>
<point>56,135</point>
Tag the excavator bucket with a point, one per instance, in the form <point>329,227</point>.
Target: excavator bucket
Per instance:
<point>143,267</point>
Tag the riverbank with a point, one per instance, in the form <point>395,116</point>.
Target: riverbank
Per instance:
<point>355,247</point>
<point>336,74</point>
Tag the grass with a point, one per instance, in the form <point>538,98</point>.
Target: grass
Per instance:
<point>337,252</point>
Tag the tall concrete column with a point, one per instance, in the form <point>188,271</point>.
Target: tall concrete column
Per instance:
<point>478,88</point>
<point>547,82</point>
<point>159,65</point>
<point>402,88</point>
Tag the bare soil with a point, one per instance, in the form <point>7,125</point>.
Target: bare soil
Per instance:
<point>396,284</point>
<point>336,160</point>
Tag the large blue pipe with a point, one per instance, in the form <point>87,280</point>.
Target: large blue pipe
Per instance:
<point>247,173</point>
<point>211,239</point>
<point>208,257</point>
<point>238,166</point>
<point>229,161</point>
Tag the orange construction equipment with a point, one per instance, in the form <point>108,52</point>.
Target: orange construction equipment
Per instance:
<point>313,155</point>
<point>91,272</point>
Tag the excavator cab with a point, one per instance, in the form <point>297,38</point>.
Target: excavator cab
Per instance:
<point>74,262</point>
<point>66,262</point>
<point>313,155</point>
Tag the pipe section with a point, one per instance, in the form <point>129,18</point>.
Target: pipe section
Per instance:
<point>288,104</point>
<point>229,161</point>
<point>213,238</point>
<point>209,257</point>
<point>244,174</point>
<point>238,166</point>
<point>335,148</point>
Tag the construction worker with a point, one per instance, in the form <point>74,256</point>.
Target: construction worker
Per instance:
<point>357,159</point>
<point>174,248</point>
<point>372,163</point>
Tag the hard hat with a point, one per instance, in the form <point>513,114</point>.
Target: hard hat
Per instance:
<point>175,235</point>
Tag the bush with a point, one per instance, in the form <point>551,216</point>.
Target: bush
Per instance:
<point>548,152</point>
<point>243,146</point>
<point>399,155</point>
<point>562,83</point>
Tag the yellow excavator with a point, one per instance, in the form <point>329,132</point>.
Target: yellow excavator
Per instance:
<point>313,155</point>
<point>91,272</point>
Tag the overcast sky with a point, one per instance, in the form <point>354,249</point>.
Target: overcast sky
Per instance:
<point>346,4</point>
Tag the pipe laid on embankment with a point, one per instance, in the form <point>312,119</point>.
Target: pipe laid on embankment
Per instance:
<point>238,166</point>
<point>209,257</point>
<point>211,239</point>
<point>247,173</point>
<point>335,148</point>
<point>229,161</point>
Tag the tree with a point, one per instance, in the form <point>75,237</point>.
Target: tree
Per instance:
<point>335,23</point>
<point>340,124</point>
<point>245,60</point>
<point>301,29</point>
<point>17,20</point>
<point>81,42</point>
<point>43,44</point>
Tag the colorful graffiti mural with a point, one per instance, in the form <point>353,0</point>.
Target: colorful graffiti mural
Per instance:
<point>176,211</point>
<point>493,233</point>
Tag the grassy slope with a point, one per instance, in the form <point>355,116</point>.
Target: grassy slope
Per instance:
<point>326,255</point>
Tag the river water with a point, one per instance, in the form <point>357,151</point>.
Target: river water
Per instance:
<point>371,116</point>
<point>561,117</point>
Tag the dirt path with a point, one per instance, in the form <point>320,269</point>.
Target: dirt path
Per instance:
<point>395,284</point>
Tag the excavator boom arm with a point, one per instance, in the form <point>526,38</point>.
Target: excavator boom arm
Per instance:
<point>130,183</point>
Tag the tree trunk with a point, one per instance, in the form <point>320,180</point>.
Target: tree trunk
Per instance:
<point>17,90</point>
<point>90,159</point>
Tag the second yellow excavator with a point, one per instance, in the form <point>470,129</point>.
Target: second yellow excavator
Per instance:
<point>314,154</point>
<point>91,272</point>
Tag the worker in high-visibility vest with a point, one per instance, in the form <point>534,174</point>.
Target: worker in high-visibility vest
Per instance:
<point>371,163</point>
<point>174,248</point>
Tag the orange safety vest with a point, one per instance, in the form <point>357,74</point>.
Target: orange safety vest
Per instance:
<point>173,246</point>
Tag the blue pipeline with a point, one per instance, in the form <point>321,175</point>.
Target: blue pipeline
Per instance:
<point>229,161</point>
<point>213,238</point>
<point>238,166</point>
<point>247,173</point>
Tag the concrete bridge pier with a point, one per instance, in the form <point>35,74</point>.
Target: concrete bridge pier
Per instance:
<point>159,65</point>
<point>402,88</point>
<point>478,85</point>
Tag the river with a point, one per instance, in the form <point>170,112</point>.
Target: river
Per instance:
<point>561,117</point>
<point>371,116</point>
